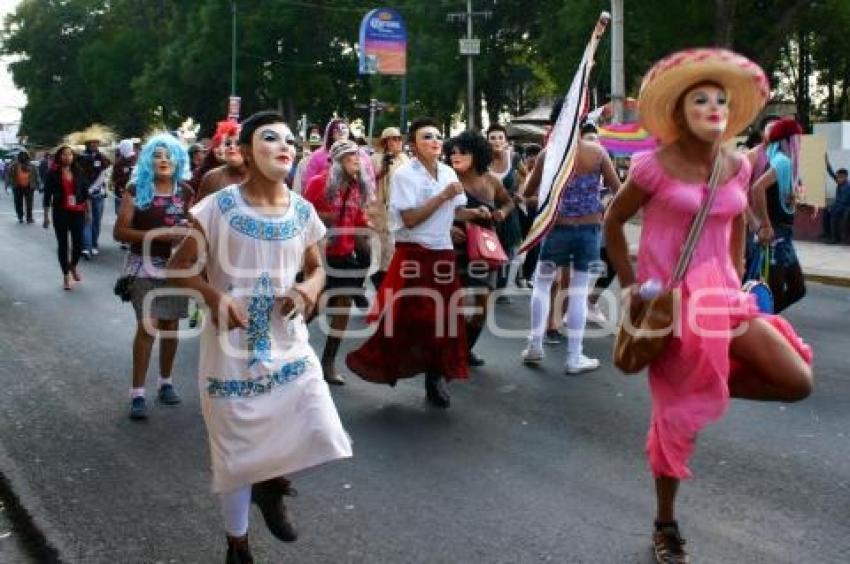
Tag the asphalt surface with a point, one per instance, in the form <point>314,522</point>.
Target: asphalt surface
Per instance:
<point>529,465</point>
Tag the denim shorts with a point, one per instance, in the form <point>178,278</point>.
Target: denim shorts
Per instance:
<point>783,247</point>
<point>572,244</point>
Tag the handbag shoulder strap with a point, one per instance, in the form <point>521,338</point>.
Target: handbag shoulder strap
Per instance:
<point>699,222</point>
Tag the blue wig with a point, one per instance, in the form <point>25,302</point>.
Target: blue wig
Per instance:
<point>144,176</point>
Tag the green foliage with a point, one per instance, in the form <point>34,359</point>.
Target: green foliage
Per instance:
<point>137,64</point>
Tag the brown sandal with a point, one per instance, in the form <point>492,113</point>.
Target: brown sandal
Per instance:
<point>668,544</point>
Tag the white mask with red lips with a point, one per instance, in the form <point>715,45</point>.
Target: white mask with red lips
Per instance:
<point>273,150</point>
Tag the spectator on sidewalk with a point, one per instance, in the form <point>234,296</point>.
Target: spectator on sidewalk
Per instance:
<point>837,215</point>
<point>25,181</point>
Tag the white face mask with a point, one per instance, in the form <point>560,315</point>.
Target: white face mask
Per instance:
<point>273,150</point>
<point>706,112</point>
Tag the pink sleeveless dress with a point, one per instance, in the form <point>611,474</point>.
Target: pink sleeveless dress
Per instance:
<point>689,381</point>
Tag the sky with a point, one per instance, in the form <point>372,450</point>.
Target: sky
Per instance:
<point>9,95</point>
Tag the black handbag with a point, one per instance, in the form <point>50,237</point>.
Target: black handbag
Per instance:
<point>124,287</point>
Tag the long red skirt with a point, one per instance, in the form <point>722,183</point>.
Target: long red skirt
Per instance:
<point>421,325</point>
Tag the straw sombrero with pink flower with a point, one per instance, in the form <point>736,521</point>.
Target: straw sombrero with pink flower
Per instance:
<point>745,83</point>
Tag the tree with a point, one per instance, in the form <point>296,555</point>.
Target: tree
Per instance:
<point>47,71</point>
<point>136,65</point>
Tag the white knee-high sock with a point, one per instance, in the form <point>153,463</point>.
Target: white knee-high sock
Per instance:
<point>544,276</point>
<point>576,316</point>
<point>235,507</point>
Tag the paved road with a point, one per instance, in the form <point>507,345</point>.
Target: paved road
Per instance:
<point>528,466</point>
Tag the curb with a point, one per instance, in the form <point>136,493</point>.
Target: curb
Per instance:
<point>39,539</point>
<point>828,279</point>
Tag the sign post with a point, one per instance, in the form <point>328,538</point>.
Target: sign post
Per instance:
<point>383,48</point>
<point>234,105</point>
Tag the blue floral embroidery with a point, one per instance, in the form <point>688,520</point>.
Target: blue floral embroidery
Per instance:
<point>266,229</point>
<point>259,313</point>
<point>218,388</point>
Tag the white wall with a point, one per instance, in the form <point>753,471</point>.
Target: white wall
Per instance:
<point>8,134</point>
<point>837,135</point>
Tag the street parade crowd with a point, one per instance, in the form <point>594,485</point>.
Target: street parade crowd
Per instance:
<point>257,243</point>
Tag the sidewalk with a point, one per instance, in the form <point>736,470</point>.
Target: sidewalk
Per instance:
<point>829,264</point>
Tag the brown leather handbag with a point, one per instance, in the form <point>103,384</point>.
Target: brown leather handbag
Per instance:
<point>644,333</point>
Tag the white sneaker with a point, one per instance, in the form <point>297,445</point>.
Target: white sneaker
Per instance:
<point>95,251</point>
<point>581,363</point>
<point>596,315</point>
<point>533,355</point>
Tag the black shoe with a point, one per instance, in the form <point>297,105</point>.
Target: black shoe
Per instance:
<point>30,220</point>
<point>475,360</point>
<point>668,544</point>
<point>436,392</point>
<point>360,301</point>
<point>553,337</point>
<point>268,496</point>
<point>20,220</point>
<point>238,551</point>
<point>335,379</point>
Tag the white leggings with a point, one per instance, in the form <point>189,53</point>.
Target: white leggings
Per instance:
<point>576,317</point>
<point>235,507</point>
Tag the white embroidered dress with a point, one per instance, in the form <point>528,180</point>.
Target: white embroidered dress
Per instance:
<point>267,408</point>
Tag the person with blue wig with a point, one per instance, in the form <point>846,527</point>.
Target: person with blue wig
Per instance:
<point>152,219</point>
<point>775,194</point>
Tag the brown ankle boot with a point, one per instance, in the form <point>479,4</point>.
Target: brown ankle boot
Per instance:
<point>668,544</point>
<point>238,551</point>
<point>268,495</point>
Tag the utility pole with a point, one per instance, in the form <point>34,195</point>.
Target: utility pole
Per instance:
<point>374,106</point>
<point>470,47</point>
<point>233,48</point>
<point>618,80</point>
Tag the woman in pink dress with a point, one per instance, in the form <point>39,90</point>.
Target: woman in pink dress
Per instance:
<point>722,346</point>
<point>320,160</point>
